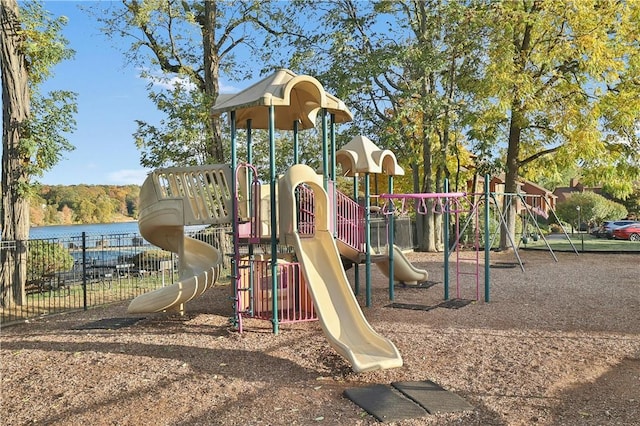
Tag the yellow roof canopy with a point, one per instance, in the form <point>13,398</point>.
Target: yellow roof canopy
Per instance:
<point>294,98</point>
<point>361,155</point>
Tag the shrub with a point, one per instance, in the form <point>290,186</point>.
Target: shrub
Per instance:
<point>46,257</point>
<point>150,259</point>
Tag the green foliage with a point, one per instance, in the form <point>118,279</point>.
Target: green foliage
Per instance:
<point>563,90</point>
<point>52,114</point>
<point>47,258</point>
<point>309,147</point>
<point>45,45</point>
<point>60,204</point>
<point>181,138</point>
<point>150,259</point>
<point>44,141</point>
<point>182,48</point>
<point>591,207</point>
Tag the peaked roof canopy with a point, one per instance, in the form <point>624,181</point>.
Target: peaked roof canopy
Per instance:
<point>295,98</point>
<point>361,155</point>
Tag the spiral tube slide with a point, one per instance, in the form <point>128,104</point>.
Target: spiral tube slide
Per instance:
<point>161,222</point>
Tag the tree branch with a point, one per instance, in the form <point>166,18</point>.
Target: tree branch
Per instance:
<point>538,155</point>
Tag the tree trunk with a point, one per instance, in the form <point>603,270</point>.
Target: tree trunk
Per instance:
<point>429,238</point>
<point>15,112</point>
<point>510,185</point>
<point>211,78</point>
<point>438,216</point>
<point>415,169</point>
<point>507,236</point>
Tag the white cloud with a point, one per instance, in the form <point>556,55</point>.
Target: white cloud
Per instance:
<point>128,177</point>
<point>228,88</point>
<point>169,83</point>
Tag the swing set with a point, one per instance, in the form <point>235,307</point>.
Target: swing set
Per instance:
<point>461,215</point>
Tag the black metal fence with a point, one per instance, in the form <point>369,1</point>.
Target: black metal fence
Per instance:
<point>404,230</point>
<point>81,271</point>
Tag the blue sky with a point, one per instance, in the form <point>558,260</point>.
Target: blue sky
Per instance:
<point>111,96</point>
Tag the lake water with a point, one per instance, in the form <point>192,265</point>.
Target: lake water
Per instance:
<point>107,243</point>
<point>58,231</point>
<point>64,231</point>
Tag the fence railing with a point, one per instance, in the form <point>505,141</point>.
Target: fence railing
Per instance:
<point>78,272</point>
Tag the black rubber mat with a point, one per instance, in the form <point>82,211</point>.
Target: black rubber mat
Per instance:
<point>411,306</point>
<point>454,303</point>
<point>423,284</point>
<point>109,324</point>
<point>432,397</point>
<point>385,403</point>
<point>447,304</point>
<point>504,265</point>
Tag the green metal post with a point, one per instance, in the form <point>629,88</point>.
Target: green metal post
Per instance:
<point>356,271</point>
<point>367,239</point>
<point>334,195</point>
<point>274,242</point>
<point>251,250</point>
<point>235,273</point>
<point>296,143</point>
<point>487,239</point>
<point>390,244</point>
<point>445,237</point>
<point>249,145</point>
<point>325,160</point>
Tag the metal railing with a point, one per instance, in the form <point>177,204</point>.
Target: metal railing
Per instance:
<point>78,272</point>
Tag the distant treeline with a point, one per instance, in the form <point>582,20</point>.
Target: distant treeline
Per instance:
<point>66,205</point>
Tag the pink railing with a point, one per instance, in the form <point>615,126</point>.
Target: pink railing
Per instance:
<point>350,221</point>
<point>349,217</point>
<point>294,302</point>
<point>306,211</point>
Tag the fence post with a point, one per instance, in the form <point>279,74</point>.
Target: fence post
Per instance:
<point>84,270</point>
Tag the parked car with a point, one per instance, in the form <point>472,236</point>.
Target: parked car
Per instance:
<point>607,227</point>
<point>629,232</point>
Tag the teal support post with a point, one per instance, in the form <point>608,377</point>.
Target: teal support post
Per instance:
<point>334,195</point>
<point>249,145</point>
<point>367,240</point>
<point>325,159</point>
<point>356,270</point>
<point>296,143</point>
<point>445,237</point>
<point>390,243</point>
<point>487,239</point>
<point>273,205</point>
<point>235,274</point>
<point>251,250</point>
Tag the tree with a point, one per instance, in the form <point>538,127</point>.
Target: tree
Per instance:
<point>31,141</point>
<point>405,60</point>
<point>46,257</point>
<point>563,80</point>
<point>186,46</point>
<point>590,208</point>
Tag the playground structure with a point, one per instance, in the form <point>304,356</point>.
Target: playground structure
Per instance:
<point>290,235</point>
<point>303,263</point>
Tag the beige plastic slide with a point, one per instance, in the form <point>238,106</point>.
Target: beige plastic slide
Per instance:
<point>161,222</point>
<point>403,269</point>
<point>342,320</point>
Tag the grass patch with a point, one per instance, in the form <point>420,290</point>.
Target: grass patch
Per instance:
<point>584,243</point>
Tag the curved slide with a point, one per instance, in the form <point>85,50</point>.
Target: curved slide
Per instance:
<point>161,223</point>
<point>342,320</point>
<point>403,270</point>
